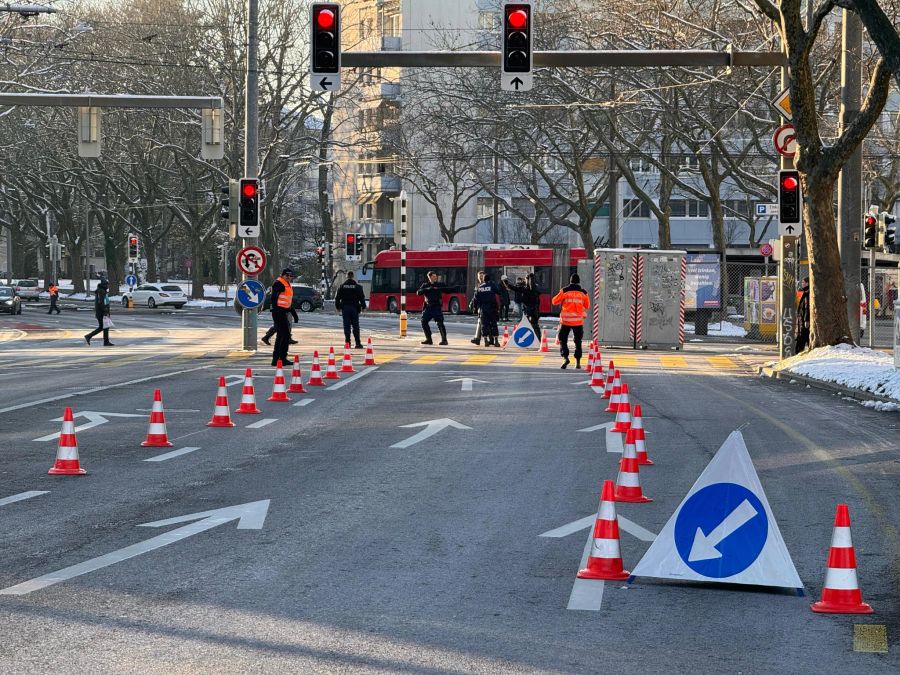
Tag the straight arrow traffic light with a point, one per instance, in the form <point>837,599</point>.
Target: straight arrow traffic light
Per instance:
<point>789,203</point>
<point>515,50</point>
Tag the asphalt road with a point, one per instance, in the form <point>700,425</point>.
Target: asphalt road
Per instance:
<point>360,551</point>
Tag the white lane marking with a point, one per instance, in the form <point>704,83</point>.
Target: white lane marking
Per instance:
<point>250,516</point>
<point>94,390</point>
<point>467,382</point>
<point>635,530</point>
<point>431,428</point>
<point>94,418</point>
<point>304,402</point>
<point>344,383</point>
<point>597,427</point>
<point>615,442</point>
<point>235,379</point>
<point>626,525</point>
<point>262,423</point>
<point>170,455</point>
<point>587,594</point>
<point>22,496</point>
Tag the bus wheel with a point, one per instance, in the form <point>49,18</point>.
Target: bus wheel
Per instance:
<point>453,306</point>
<point>392,306</point>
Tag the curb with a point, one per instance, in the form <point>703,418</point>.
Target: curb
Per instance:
<point>856,394</point>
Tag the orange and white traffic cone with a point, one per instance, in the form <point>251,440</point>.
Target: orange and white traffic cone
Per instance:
<point>605,558</point>
<point>296,386</point>
<point>370,354</point>
<point>607,390</point>
<point>315,373</point>
<point>590,362</point>
<point>628,482</point>
<point>221,413</point>
<point>347,365</point>
<point>279,391</point>
<point>614,397</point>
<point>248,396</point>
<point>637,426</point>
<point>331,372</point>
<point>544,346</point>
<point>505,336</point>
<point>156,432</point>
<point>597,375</point>
<point>598,361</point>
<point>67,462</point>
<point>623,414</point>
<point>841,594</point>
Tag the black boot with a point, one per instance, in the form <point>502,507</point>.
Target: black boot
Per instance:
<point>475,341</point>
<point>427,341</point>
<point>443,334</point>
<point>565,363</point>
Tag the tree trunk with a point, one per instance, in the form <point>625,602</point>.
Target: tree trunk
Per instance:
<point>828,304</point>
<point>721,244</point>
<point>150,254</point>
<point>664,231</point>
<point>197,269</point>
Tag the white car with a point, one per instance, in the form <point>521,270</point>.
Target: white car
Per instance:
<point>156,295</point>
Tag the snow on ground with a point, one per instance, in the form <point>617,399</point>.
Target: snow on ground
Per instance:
<point>723,329</point>
<point>849,366</point>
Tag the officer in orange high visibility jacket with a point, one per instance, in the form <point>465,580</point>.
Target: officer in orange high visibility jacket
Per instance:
<point>282,305</point>
<point>575,303</point>
<point>54,296</point>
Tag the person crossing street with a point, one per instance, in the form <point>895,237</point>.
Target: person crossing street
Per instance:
<point>101,311</point>
<point>433,293</point>
<point>54,297</point>
<point>350,300</point>
<point>282,305</point>
<point>575,303</point>
<point>485,303</point>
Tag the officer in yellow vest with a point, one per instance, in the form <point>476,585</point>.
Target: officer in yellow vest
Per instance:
<point>282,305</point>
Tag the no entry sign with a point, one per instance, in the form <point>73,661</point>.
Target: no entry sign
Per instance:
<point>251,260</point>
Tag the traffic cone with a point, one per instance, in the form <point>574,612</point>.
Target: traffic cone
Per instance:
<point>556,343</point>
<point>331,372</point>
<point>605,559</point>
<point>156,432</point>
<point>841,594</point>
<point>505,336</point>
<point>315,373</point>
<point>598,362</point>
<point>616,390</point>
<point>544,346</point>
<point>597,375</point>
<point>248,396</point>
<point>296,378</point>
<point>628,482</point>
<point>370,354</point>
<point>637,426</point>
<point>590,361</point>
<point>607,390</point>
<point>623,415</point>
<point>279,391</point>
<point>67,463</point>
<point>347,365</point>
<point>221,414</point>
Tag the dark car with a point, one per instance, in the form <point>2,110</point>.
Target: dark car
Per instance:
<point>306,299</point>
<point>9,300</point>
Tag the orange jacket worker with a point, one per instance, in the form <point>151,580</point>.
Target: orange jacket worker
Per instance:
<point>575,303</point>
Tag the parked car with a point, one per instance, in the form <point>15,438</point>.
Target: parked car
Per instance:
<point>28,289</point>
<point>9,301</point>
<point>156,295</point>
<point>306,299</point>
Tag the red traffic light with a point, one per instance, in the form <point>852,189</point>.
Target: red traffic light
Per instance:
<point>248,190</point>
<point>870,221</point>
<point>517,19</point>
<point>132,241</point>
<point>789,183</point>
<point>351,238</point>
<point>325,19</point>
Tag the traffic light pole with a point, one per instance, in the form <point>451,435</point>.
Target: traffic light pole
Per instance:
<point>251,150</point>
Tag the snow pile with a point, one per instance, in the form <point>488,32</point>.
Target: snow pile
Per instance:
<point>849,366</point>
<point>207,303</point>
<point>723,329</point>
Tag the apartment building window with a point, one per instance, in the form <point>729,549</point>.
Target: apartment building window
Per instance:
<point>392,25</point>
<point>697,209</point>
<point>488,21</point>
<point>366,25</point>
<point>635,208</point>
<point>552,164</point>
<point>485,207</point>
<point>642,165</point>
<point>678,208</point>
<point>735,208</point>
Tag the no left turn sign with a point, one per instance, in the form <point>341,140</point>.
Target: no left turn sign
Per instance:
<point>785,140</point>
<point>251,260</point>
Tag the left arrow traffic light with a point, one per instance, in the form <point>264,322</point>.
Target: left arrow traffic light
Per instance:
<point>325,46</point>
<point>249,204</point>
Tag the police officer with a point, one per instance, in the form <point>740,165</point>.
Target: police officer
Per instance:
<point>485,302</point>
<point>350,300</point>
<point>531,303</point>
<point>54,296</point>
<point>503,289</point>
<point>433,303</point>
<point>282,305</point>
<point>101,311</point>
<point>575,302</point>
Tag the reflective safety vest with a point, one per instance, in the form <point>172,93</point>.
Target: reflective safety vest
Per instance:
<point>286,298</point>
<point>575,304</point>
<point>53,290</point>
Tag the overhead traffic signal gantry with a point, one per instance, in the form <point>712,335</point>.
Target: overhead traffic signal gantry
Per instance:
<point>325,46</point>
<point>789,202</point>
<point>515,50</point>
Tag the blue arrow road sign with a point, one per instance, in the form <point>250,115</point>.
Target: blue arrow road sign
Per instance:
<point>721,530</point>
<point>251,293</point>
<point>523,337</point>
<point>131,280</point>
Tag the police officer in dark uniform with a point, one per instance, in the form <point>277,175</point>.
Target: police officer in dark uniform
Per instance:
<point>350,300</point>
<point>485,303</point>
<point>101,311</point>
<point>282,305</point>
<point>433,308</point>
<point>531,303</point>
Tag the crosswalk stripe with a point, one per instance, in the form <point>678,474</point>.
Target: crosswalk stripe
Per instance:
<point>667,361</point>
<point>530,360</point>
<point>479,359</point>
<point>386,358</point>
<point>431,359</point>
<point>721,362</point>
<point>625,361</point>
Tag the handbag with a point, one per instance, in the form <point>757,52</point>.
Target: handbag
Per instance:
<point>107,323</point>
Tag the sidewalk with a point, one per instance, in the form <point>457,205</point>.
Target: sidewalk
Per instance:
<point>858,372</point>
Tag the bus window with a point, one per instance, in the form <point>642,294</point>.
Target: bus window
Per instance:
<point>386,280</point>
<point>543,279</point>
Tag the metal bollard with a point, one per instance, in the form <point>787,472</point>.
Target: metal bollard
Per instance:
<point>402,324</point>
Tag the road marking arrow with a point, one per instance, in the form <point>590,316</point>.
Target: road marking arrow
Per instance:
<point>614,441</point>
<point>704,547</point>
<point>467,382</point>
<point>626,525</point>
<point>250,516</point>
<point>95,419</point>
<point>431,428</point>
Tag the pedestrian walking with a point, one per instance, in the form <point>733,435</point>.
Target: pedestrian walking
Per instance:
<point>802,341</point>
<point>504,298</point>
<point>485,302</point>
<point>433,293</point>
<point>265,339</point>
<point>515,292</point>
<point>282,305</point>
<point>350,300</point>
<point>101,311</point>
<point>530,299</point>
<point>575,303</point>
<point>54,297</point>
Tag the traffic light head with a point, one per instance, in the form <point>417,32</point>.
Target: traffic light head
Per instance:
<point>226,203</point>
<point>789,208</point>
<point>326,38</point>
<point>516,37</point>
<point>249,204</point>
<point>351,244</point>
<point>890,231</point>
<point>132,247</point>
<point>870,231</point>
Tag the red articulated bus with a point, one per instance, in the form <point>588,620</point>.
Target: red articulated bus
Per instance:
<point>457,265</point>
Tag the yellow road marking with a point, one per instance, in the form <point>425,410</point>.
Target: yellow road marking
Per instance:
<point>429,360</point>
<point>531,360</point>
<point>386,358</point>
<point>479,359</point>
<point>624,361</point>
<point>721,362</point>
<point>672,361</point>
<point>870,637</point>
